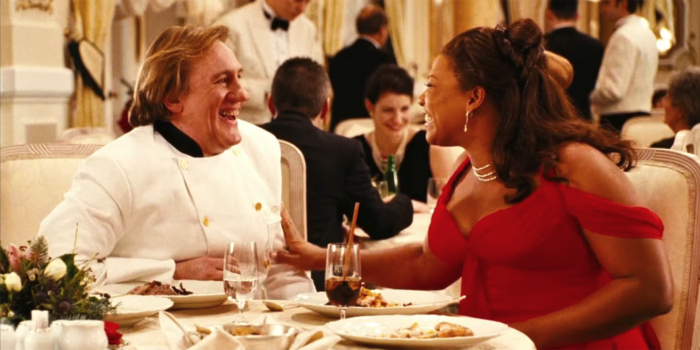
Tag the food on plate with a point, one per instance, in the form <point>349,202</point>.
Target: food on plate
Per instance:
<point>202,330</point>
<point>238,331</point>
<point>441,330</point>
<point>245,331</point>
<point>159,288</point>
<point>370,298</point>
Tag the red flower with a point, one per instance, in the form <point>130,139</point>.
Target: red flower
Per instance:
<point>114,337</point>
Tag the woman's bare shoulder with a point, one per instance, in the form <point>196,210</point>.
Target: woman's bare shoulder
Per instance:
<point>590,170</point>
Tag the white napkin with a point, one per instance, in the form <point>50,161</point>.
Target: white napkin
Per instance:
<point>219,339</point>
<point>314,340</point>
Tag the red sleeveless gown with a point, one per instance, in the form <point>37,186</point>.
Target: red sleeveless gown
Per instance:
<point>531,259</point>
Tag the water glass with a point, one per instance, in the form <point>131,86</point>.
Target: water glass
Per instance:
<point>383,188</point>
<point>435,186</point>
<point>343,276</point>
<point>241,274</point>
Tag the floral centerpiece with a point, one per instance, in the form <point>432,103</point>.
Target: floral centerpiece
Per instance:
<point>31,280</point>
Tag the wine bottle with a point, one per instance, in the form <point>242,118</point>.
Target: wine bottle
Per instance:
<point>391,176</point>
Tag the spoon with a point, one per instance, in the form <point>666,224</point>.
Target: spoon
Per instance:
<point>273,306</point>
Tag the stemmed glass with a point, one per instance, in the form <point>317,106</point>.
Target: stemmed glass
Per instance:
<point>435,186</point>
<point>241,274</point>
<point>343,275</point>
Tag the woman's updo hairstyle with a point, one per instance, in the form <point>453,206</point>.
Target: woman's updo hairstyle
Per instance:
<point>535,117</point>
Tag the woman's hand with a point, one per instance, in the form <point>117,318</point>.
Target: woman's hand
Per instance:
<point>299,253</point>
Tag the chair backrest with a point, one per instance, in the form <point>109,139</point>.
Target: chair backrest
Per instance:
<point>87,135</point>
<point>294,184</point>
<point>354,127</point>
<point>646,130</point>
<point>688,141</point>
<point>33,180</point>
<point>668,183</point>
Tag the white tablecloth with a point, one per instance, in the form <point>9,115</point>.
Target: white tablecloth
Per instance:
<point>146,335</point>
<point>415,233</point>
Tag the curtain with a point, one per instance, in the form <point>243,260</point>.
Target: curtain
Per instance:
<point>527,9</point>
<point>395,11</point>
<point>333,24</point>
<point>93,21</point>
<point>416,45</point>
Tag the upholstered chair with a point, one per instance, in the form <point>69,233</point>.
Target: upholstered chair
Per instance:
<point>354,127</point>
<point>668,183</point>
<point>646,130</point>
<point>294,184</point>
<point>92,136</point>
<point>33,180</point>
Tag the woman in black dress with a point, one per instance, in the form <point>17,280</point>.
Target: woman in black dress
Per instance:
<point>388,98</point>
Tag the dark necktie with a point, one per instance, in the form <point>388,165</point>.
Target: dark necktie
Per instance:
<point>277,23</point>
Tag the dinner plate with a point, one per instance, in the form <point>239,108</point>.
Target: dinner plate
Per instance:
<point>369,330</point>
<point>205,294</point>
<point>131,309</point>
<point>423,302</point>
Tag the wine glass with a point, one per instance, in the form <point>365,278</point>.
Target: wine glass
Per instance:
<point>241,274</point>
<point>435,186</point>
<point>343,276</point>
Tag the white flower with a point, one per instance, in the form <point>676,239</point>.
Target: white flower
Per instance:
<point>13,282</point>
<point>56,269</point>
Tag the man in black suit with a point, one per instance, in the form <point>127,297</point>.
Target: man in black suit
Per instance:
<point>352,66</point>
<point>336,173</point>
<point>584,52</point>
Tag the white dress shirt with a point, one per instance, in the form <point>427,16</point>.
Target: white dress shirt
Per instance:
<point>142,206</point>
<point>281,38</point>
<point>626,79</point>
<point>261,51</point>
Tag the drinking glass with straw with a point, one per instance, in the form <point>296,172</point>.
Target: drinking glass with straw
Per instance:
<point>343,275</point>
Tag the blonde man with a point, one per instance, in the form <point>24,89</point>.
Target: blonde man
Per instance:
<point>161,202</point>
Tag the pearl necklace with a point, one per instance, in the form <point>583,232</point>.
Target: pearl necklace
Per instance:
<point>484,177</point>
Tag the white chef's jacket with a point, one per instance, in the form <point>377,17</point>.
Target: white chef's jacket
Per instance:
<point>142,205</point>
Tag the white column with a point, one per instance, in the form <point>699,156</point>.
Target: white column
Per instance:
<point>35,85</point>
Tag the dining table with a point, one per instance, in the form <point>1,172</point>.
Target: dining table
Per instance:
<point>147,334</point>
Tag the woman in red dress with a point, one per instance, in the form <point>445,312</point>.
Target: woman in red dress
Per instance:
<point>545,230</point>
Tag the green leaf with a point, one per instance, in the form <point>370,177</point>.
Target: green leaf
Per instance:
<point>71,269</point>
<point>40,250</point>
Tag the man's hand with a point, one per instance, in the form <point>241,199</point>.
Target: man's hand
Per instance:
<point>203,269</point>
<point>299,253</point>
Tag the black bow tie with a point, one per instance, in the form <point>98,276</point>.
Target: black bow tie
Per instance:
<point>277,23</point>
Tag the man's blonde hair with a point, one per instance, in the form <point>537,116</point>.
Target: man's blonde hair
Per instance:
<point>166,69</point>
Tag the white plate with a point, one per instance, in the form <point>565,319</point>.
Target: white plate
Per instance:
<point>423,302</point>
<point>367,330</point>
<point>131,309</point>
<point>206,294</point>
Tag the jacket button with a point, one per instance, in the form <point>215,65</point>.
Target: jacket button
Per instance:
<point>183,165</point>
<point>258,206</point>
<point>205,221</point>
<point>236,151</point>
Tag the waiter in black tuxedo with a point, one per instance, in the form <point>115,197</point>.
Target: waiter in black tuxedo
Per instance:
<point>336,173</point>
<point>584,52</point>
<point>352,66</point>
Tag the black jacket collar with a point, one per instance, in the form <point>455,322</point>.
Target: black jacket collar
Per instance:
<point>178,139</point>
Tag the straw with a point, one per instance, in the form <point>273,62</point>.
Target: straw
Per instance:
<point>351,238</point>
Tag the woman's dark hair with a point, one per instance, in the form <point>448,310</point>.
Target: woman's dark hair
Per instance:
<point>388,78</point>
<point>535,118</point>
